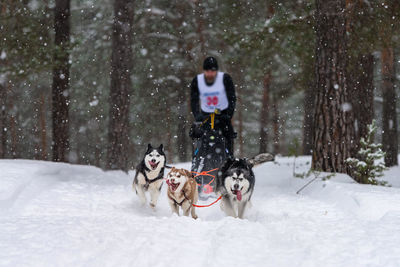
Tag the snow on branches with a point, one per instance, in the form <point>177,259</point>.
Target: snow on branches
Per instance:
<point>369,164</point>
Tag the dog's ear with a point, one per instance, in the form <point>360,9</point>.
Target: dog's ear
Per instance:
<point>225,166</point>
<point>249,163</point>
<point>149,146</point>
<point>188,173</point>
<point>161,147</point>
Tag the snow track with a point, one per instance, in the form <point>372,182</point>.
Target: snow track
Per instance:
<point>56,214</point>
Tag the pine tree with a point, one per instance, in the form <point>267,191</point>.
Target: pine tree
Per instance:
<point>369,166</point>
<point>121,85</point>
<point>60,89</point>
<point>333,120</point>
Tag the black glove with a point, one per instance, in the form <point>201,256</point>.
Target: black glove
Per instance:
<point>196,131</point>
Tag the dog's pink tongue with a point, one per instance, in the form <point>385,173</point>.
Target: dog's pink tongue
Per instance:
<point>239,195</point>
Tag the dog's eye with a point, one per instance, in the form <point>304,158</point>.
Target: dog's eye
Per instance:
<point>158,156</point>
<point>178,176</point>
<point>240,179</point>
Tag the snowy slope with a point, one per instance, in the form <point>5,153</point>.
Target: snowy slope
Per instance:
<point>67,215</point>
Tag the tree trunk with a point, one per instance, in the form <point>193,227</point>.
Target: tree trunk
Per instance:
<point>60,89</point>
<point>200,29</point>
<point>389,135</point>
<point>333,122</point>
<point>283,147</point>
<point>182,140</point>
<point>361,89</point>
<point>275,122</point>
<point>42,128</point>
<point>97,152</point>
<point>121,85</point>
<point>308,122</point>
<point>13,135</point>
<point>240,119</point>
<point>264,114</point>
<point>3,121</point>
<point>170,155</point>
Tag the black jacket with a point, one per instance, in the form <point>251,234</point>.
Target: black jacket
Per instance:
<point>227,113</point>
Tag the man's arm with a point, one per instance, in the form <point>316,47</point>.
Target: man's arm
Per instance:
<point>230,93</point>
<point>194,99</point>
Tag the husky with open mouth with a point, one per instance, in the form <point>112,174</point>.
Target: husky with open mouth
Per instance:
<point>235,182</point>
<point>182,191</point>
<point>149,174</point>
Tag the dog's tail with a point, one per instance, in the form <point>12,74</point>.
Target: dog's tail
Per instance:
<point>261,158</point>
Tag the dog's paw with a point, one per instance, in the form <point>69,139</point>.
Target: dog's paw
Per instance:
<point>153,206</point>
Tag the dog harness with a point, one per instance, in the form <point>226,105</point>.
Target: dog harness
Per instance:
<point>212,96</point>
<point>184,198</point>
<point>148,181</point>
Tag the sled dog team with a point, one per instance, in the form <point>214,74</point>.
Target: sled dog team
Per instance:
<point>234,182</point>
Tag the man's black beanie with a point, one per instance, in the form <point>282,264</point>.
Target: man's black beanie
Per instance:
<point>210,63</point>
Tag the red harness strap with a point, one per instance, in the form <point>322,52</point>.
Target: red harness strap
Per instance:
<point>205,206</point>
<point>207,173</point>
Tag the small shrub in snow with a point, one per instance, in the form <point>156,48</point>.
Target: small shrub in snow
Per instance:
<point>369,164</point>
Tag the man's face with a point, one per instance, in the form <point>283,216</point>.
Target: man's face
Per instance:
<point>210,75</point>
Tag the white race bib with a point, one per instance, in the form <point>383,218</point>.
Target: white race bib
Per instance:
<point>214,96</point>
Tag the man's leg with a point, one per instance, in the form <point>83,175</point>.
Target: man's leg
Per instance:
<point>229,135</point>
<point>229,145</point>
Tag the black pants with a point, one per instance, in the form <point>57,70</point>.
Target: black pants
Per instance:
<point>227,131</point>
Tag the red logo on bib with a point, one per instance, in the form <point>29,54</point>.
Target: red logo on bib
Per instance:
<point>212,100</point>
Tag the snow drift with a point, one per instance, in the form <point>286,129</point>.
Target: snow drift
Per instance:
<point>55,214</point>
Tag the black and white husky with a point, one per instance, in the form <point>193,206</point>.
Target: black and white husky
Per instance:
<point>149,174</point>
<point>235,182</point>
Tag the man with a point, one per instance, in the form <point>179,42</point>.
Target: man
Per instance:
<point>214,91</point>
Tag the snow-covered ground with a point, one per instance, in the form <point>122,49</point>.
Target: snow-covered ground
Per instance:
<point>68,215</point>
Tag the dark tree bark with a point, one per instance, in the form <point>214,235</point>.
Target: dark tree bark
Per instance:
<point>182,96</point>
<point>182,139</point>
<point>264,114</point>
<point>361,89</point>
<point>121,85</point>
<point>200,28</point>
<point>3,121</point>
<point>333,121</point>
<point>169,149</point>
<point>308,121</point>
<point>13,135</point>
<point>181,102</point>
<point>60,88</point>
<point>235,70</point>
<point>265,105</point>
<point>240,119</point>
<point>42,127</point>
<point>275,123</point>
<point>389,135</point>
